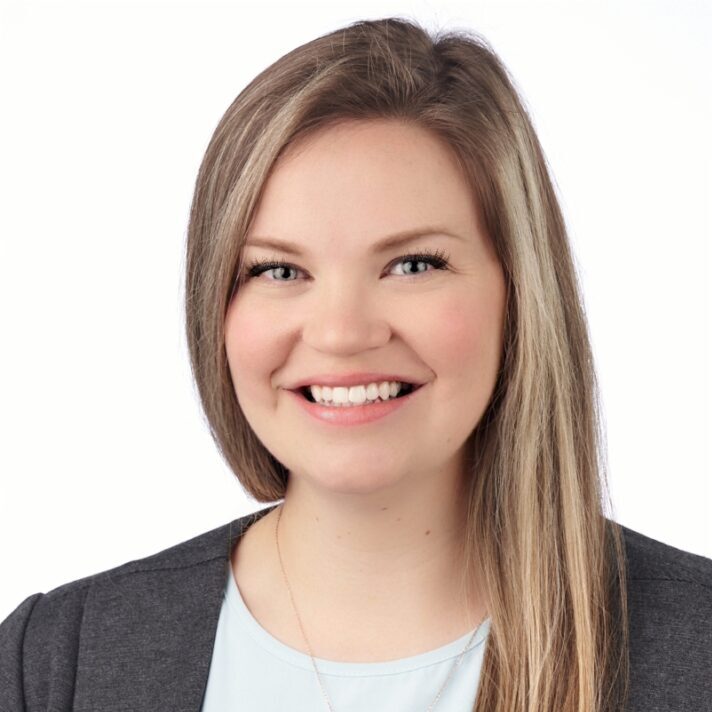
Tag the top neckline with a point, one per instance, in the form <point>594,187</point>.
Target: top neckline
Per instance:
<point>347,669</point>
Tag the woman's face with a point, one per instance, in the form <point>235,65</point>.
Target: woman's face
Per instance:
<point>343,306</point>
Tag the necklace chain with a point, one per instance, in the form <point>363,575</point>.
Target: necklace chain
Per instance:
<point>455,664</point>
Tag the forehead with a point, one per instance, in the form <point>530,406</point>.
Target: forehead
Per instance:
<point>370,179</point>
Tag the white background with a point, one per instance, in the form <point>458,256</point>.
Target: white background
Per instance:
<point>106,111</point>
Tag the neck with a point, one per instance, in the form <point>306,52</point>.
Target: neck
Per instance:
<point>390,556</point>
<point>375,576</point>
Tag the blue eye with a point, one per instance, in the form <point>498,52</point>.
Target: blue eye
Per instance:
<point>437,259</point>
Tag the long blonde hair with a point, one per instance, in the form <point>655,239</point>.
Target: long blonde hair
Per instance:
<point>552,563</point>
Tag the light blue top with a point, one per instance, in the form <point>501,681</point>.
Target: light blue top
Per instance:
<point>252,670</point>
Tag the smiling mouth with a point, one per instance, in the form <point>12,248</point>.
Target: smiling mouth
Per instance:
<point>305,391</point>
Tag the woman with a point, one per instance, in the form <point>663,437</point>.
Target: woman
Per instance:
<point>374,221</point>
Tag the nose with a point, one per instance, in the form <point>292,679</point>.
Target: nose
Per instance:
<point>346,318</point>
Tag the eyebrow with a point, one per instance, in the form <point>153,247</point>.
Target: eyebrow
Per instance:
<point>387,243</point>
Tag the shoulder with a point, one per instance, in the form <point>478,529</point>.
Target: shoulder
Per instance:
<point>204,547</point>
<point>653,560</point>
<point>186,554</point>
<point>42,632</point>
<point>667,579</point>
<point>669,624</point>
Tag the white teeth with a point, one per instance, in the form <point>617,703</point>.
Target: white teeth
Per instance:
<point>355,395</point>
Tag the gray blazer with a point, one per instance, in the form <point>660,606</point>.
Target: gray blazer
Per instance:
<point>140,636</point>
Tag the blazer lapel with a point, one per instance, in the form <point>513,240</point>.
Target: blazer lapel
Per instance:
<point>148,632</point>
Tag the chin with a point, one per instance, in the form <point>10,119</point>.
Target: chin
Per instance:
<point>355,483</point>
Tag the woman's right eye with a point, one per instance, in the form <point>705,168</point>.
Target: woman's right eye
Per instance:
<point>258,266</point>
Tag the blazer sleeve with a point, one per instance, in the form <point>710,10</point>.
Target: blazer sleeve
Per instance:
<point>12,639</point>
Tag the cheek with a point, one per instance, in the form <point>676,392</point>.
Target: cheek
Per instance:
<point>249,344</point>
<point>467,338</point>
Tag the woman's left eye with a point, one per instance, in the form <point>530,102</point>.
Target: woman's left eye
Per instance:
<point>437,259</point>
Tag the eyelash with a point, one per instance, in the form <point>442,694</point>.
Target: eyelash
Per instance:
<point>437,258</point>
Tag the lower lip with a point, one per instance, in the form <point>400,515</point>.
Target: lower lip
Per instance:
<point>355,414</point>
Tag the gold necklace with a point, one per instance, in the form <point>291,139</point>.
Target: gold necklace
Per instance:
<point>455,665</point>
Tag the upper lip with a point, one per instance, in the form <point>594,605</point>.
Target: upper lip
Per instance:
<point>350,379</point>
